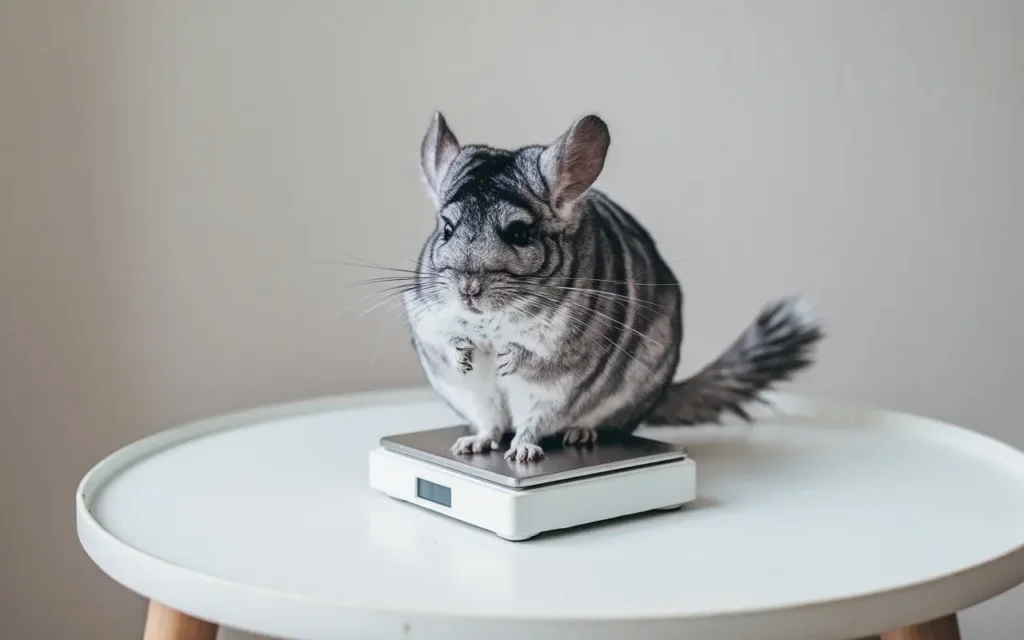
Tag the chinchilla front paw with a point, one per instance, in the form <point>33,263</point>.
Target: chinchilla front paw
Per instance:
<point>463,355</point>
<point>479,443</point>
<point>509,359</point>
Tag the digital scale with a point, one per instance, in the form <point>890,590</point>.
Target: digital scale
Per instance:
<point>570,486</point>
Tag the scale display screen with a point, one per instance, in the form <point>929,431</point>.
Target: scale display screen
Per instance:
<point>435,493</point>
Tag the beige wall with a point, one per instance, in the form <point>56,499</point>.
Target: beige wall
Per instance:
<point>172,173</point>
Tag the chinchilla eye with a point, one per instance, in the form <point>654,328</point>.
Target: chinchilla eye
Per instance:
<point>518,234</point>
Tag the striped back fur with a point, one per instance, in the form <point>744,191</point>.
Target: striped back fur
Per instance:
<point>541,307</point>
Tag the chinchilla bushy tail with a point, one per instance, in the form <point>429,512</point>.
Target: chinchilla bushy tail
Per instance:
<point>776,346</point>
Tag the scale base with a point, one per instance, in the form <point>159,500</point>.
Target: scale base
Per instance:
<point>517,514</point>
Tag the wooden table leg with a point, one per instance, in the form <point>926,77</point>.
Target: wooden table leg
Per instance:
<point>164,623</point>
<point>945,628</point>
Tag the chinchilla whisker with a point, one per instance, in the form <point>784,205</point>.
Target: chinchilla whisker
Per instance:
<point>358,302</point>
<point>342,263</point>
<point>362,262</point>
<point>609,295</point>
<point>405,277</point>
<point>388,293</point>
<point>384,280</point>
<point>631,283</point>
<point>617,323</point>
<point>389,298</point>
<point>359,262</point>
<point>579,307</point>
<point>412,285</point>
<point>555,307</point>
<point>604,350</point>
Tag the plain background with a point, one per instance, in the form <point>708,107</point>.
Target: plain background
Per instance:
<point>174,177</point>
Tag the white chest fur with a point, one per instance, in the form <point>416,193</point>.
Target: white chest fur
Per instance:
<point>487,396</point>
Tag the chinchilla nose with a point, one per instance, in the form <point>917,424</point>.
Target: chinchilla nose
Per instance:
<point>469,286</point>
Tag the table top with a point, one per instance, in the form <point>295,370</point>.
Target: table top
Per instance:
<point>819,521</point>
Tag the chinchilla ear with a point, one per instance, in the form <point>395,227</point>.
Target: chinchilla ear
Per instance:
<point>571,163</point>
<point>437,150</point>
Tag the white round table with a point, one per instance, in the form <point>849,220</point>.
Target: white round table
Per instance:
<point>817,522</point>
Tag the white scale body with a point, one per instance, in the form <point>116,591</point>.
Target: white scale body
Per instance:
<point>570,486</point>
